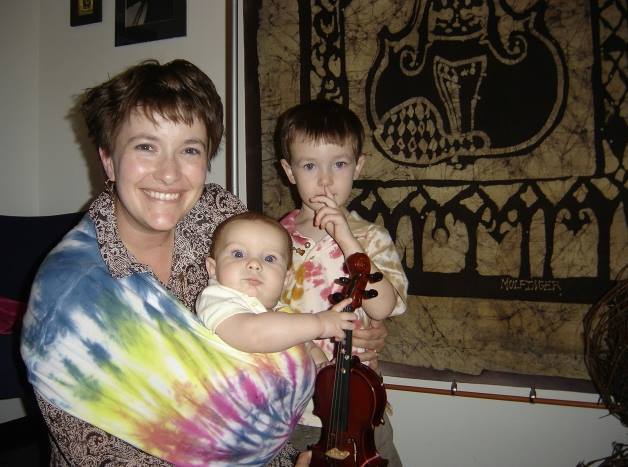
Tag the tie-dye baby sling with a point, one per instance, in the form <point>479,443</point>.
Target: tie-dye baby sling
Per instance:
<point>126,356</point>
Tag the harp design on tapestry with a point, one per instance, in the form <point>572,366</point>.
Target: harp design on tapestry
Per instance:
<point>479,92</point>
<point>464,80</point>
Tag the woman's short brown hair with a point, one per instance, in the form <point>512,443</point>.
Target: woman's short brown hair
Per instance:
<point>178,91</point>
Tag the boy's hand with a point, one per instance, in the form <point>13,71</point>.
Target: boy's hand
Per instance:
<point>334,321</point>
<point>331,218</point>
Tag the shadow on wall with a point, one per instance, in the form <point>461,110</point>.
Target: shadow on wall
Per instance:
<point>95,171</point>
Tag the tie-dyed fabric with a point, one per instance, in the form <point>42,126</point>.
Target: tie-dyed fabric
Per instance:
<point>126,356</point>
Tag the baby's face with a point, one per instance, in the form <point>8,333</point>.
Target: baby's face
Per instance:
<point>251,258</point>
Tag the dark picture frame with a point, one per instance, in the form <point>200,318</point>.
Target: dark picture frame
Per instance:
<point>85,12</point>
<point>149,20</point>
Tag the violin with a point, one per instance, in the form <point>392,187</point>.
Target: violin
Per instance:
<point>349,397</point>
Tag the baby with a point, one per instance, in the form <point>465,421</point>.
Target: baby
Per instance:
<point>249,266</point>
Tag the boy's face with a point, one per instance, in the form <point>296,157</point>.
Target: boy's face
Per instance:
<point>251,258</point>
<point>322,169</point>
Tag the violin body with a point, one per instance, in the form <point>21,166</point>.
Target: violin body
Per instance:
<point>349,397</point>
<point>367,397</point>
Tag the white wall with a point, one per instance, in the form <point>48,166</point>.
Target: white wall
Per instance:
<point>44,169</point>
<point>19,129</point>
<point>434,430</point>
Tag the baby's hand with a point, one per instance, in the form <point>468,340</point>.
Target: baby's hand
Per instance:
<point>331,218</point>
<point>334,321</point>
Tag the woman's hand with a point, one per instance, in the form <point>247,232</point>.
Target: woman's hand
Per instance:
<point>373,340</point>
<point>303,459</point>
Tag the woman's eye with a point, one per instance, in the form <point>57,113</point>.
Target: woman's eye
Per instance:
<point>191,151</point>
<point>144,147</point>
<point>270,258</point>
<point>237,253</point>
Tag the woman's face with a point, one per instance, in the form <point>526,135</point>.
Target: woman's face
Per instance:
<point>159,170</point>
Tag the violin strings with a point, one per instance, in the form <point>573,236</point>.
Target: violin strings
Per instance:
<point>338,390</point>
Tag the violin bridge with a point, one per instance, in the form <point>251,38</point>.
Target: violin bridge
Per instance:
<point>337,454</point>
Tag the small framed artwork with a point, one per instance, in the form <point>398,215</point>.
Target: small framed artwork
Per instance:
<point>85,12</point>
<point>149,20</point>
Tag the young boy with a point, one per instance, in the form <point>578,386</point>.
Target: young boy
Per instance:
<point>248,268</point>
<point>321,153</point>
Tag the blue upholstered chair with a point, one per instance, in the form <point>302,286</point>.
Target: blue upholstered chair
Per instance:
<point>24,243</point>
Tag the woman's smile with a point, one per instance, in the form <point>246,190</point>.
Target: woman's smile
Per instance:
<point>161,196</point>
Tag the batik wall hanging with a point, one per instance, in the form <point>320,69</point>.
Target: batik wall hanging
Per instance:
<point>496,158</point>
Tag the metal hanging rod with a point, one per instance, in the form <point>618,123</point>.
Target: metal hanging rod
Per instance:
<point>532,398</point>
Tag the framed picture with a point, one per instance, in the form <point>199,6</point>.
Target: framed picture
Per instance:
<point>85,12</point>
<point>149,20</point>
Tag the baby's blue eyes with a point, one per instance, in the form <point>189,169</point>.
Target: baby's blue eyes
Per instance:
<point>267,258</point>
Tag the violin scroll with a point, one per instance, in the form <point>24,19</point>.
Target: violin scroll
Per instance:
<point>359,267</point>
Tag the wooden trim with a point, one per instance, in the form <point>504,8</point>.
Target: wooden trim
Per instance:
<point>496,378</point>
<point>252,110</point>
<point>498,397</point>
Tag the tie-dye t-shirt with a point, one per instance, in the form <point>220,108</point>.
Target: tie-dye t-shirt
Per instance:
<point>317,265</point>
<point>128,357</point>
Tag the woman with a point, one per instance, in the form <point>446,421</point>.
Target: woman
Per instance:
<point>124,372</point>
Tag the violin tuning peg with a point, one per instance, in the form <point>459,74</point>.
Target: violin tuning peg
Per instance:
<point>376,277</point>
<point>336,297</point>
<point>342,280</point>
<point>371,293</point>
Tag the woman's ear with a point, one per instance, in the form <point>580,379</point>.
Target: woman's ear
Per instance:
<point>107,163</point>
<point>288,170</point>
<point>358,166</point>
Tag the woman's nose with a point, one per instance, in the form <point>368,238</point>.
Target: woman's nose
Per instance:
<point>168,170</point>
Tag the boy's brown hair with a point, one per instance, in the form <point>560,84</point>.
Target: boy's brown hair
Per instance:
<point>321,121</point>
<point>255,217</point>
